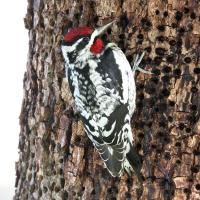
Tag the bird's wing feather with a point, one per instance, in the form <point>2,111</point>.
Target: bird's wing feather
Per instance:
<point>109,128</point>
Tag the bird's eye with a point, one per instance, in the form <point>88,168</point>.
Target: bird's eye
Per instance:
<point>86,39</point>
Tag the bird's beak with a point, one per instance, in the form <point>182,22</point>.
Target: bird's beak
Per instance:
<point>100,31</point>
<point>103,29</point>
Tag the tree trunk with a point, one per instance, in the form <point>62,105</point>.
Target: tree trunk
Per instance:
<point>56,159</point>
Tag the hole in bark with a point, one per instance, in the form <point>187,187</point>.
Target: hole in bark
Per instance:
<point>157,60</point>
<point>140,36</point>
<point>153,146</point>
<point>151,102</point>
<point>148,49</point>
<point>171,103</point>
<point>129,58</point>
<point>121,36</point>
<point>167,156</point>
<point>181,31</point>
<point>93,192</point>
<point>195,169</point>
<point>187,190</point>
<point>153,178</point>
<point>165,78</point>
<point>141,124</point>
<point>172,42</point>
<point>161,28</point>
<point>166,69</point>
<point>160,134</point>
<point>138,146</point>
<point>193,107</point>
<point>77,15</point>
<point>146,24</point>
<point>179,43</point>
<point>162,124</point>
<point>170,58</point>
<point>196,152</point>
<point>114,189</point>
<point>109,190</point>
<point>139,104</point>
<point>141,96</point>
<point>65,195</point>
<point>39,192</point>
<point>160,38</point>
<point>160,51</point>
<point>197,186</point>
<point>186,10</point>
<point>178,144</point>
<point>128,195</point>
<point>150,89</point>
<point>174,25</point>
<point>170,119</point>
<point>165,14</point>
<point>189,27</point>
<point>141,135</point>
<point>156,71</point>
<point>157,12</point>
<point>154,80</point>
<point>162,107</point>
<point>187,60</point>
<point>149,123</point>
<point>194,89</point>
<point>197,70</point>
<point>148,60</point>
<point>140,86</point>
<point>167,140</point>
<point>192,15</point>
<point>177,72</point>
<point>188,130</point>
<point>45,189</point>
<point>62,182</point>
<point>156,109</point>
<point>60,171</point>
<point>158,150</point>
<point>192,119</point>
<point>96,19</point>
<point>129,182</point>
<point>165,92</point>
<point>121,45</point>
<point>178,161</point>
<point>178,15</point>
<point>77,140</point>
<point>124,21</point>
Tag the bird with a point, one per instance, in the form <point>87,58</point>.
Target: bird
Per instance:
<point>102,84</point>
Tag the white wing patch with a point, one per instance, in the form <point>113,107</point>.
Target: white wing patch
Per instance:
<point>129,88</point>
<point>107,133</point>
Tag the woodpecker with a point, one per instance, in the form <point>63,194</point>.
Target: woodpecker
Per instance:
<point>102,83</point>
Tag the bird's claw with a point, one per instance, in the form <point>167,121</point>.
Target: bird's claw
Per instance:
<point>137,63</point>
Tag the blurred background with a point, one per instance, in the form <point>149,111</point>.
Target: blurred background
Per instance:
<point>13,55</point>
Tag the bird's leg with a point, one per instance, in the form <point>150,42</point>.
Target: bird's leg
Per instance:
<point>137,63</point>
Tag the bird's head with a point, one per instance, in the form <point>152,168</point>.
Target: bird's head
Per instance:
<point>83,40</point>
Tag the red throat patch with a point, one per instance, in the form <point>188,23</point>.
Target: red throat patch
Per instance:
<point>97,46</point>
<point>75,32</point>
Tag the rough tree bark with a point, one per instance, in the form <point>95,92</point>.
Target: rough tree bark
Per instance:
<point>56,159</point>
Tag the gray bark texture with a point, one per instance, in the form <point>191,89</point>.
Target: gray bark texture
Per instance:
<point>56,159</point>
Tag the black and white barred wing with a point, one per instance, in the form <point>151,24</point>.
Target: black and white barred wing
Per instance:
<point>109,127</point>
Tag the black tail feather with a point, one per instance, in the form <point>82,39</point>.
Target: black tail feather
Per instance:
<point>136,161</point>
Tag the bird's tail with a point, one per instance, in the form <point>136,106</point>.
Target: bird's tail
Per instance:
<point>133,162</point>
